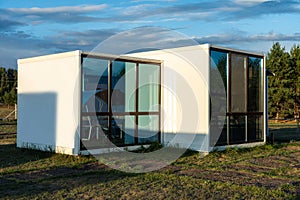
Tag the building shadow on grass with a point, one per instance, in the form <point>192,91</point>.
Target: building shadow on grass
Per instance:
<point>281,135</point>
<point>11,156</point>
<point>50,181</point>
<point>18,182</point>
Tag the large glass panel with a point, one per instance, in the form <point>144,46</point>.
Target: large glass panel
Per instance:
<point>238,83</point>
<point>237,132</point>
<point>218,71</point>
<point>244,79</point>
<point>255,128</point>
<point>255,95</point>
<point>94,85</point>
<point>129,129</point>
<point>222,138</point>
<point>117,128</point>
<point>148,128</point>
<point>123,86</point>
<point>218,100</point>
<point>94,132</point>
<point>148,88</point>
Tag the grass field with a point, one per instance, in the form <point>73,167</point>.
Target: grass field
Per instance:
<point>266,172</point>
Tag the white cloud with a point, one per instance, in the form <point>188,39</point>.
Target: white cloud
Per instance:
<point>135,10</point>
<point>240,37</point>
<point>69,9</point>
<point>249,2</point>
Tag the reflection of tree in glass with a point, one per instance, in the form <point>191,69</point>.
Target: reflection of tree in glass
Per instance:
<point>122,72</point>
<point>218,81</point>
<point>218,71</point>
<point>254,84</point>
<point>221,65</point>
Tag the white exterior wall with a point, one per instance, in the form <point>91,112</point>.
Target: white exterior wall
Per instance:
<point>185,96</point>
<point>49,102</point>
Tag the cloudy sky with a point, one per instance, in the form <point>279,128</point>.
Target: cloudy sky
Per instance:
<point>33,27</point>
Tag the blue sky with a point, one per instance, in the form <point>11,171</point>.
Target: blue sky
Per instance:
<point>31,28</point>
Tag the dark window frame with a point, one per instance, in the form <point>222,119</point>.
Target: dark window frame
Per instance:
<point>110,114</point>
<point>248,113</point>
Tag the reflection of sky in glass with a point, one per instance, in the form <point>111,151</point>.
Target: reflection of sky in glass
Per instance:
<point>218,71</point>
<point>148,87</point>
<point>256,61</point>
<point>92,66</point>
<point>117,68</point>
<point>215,57</point>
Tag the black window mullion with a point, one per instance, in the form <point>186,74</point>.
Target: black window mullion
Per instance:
<point>136,104</point>
<point>109,99</point>
<point>159,104</point>
<point>80,110</point>
<point>247,98</point>
<point>228,96</point>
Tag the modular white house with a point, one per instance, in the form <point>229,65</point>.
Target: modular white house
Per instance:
<point>200,97</point>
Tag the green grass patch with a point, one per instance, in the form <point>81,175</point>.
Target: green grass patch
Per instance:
<point>7,127</point>
<point>264,172</point>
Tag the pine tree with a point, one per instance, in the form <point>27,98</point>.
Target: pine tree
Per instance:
<point>295,63</point>
<point>281,87</point>
<point>8,84</point>
<point>4,87</point>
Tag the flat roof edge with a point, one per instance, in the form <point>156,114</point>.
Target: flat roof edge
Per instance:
<point>87,54</point>
<point>176,49</point>
<point>237,50</point>
<point>49,57</point>
<point>205,46</point>
<point>121,57</point>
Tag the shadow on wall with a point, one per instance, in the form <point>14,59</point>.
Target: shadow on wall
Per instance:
<point>37,119</point>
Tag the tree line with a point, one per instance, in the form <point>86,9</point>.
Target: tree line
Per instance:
<point>284,87</point>
<point>8,86</point>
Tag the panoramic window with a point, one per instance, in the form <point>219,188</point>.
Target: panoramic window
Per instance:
<point>243,81</point>
<point>120,103</point>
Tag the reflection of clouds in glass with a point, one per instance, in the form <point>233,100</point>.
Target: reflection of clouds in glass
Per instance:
<point>95,67</point>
